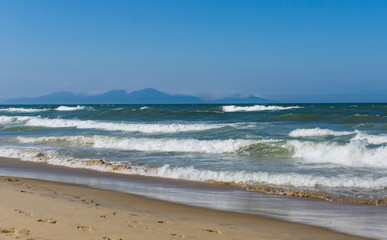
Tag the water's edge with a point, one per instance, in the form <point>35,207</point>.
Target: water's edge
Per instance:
<point>361,220</point>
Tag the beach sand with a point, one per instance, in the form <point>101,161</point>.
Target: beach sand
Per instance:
<point>35,209</point>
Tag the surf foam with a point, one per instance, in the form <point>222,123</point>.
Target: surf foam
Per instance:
<point>24,110</point>
<point>192,174</point>
<point>371,139</point>
<point>66,108</point>
<point>125,127</point>
<point>256,108</point>
<point>12,120</point>
<point>353,154</point>
<point>317,132</point>
<point>147,144</point>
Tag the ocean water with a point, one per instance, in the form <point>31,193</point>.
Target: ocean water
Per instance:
<point>336,152</point>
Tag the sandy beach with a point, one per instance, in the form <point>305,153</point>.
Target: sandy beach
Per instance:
<point>35,209</point>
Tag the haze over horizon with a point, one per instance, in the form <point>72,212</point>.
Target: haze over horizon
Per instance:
<point>289,51</point>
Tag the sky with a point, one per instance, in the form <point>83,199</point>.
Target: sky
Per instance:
<point>281,50</point>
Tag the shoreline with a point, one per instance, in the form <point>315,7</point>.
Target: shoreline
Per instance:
<point>125,170</point>
<point>30,207</point>
<point>347,218</point>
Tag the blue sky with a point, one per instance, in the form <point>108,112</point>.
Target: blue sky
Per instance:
<point>283,50</point>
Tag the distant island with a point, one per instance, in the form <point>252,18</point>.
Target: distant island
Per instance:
<point>144,96</point>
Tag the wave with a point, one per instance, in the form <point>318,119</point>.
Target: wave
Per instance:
<point>193,174</point>
<point>371,139</point>
<point>24,110</point>
<point>256,108</point>
<point>11,120</point>
<point>110,126</point>
<point>353,154</point>
<point>317,132</point>
<point>6,120</point>
<point>66,108</point>
<point>144,108</point>
<point>361,136</point>
<point>148,144</point>
<point>125,127</point>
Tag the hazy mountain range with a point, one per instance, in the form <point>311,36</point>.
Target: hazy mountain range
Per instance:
<point>144,96</point>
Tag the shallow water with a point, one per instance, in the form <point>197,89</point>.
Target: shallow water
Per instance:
<point>361,220</point>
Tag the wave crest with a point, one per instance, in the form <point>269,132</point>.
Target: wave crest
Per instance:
<point>353,154</point>
<point>24,110</point>
<point>113,126</point>
<point>317,132</point>
<point>193,174</point>
<point>147,144</point>
<point>67,108</point>
<point>256,108</point>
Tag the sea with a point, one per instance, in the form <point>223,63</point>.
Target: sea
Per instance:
<point>331,152</point>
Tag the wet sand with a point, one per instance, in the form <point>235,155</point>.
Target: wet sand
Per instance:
<point>36,209</point>
<point>106,214</point>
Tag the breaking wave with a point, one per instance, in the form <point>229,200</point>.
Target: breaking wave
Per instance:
<point>371,139</point>
<point>11,120</point>
<point>24,110</point>
<point>256,108</point>
<point>353,154</point>
<point>110,126</point>
<point>147,144</point>
<point>66,108</point>
<point>316,132</point>
<point>193,174</point>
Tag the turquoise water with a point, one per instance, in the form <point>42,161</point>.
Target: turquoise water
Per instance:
<point>338,149</point>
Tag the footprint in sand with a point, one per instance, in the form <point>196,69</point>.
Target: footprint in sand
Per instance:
<point>23,212</point>
<point>134,223</point>
<point>164,222</point>
<point>13,231</point>
<point>22,191</point>
<point>89,202</point>
<point>23,232</point>
<point>8,230</point>
<point>177,235</point>
<point>213,231</point>
<point>111,238</point>
<point>84,228</point>
<point>107,215</point>
<point>48,220</point>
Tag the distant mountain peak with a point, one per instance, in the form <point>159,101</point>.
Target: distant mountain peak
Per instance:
<point>143,96</point>
<point>147,91</point>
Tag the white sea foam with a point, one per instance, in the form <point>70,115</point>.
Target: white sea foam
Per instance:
<point>6,120</point>
<point>24,110</point>
<point>110,126</point>
<point>144,108</point>
<point>371,139</point>
<point>12,120</point>
<point>190,173</point>
<point>81,141</point>
<point>256,108</point>
<point>66,108</point>
<point>126,127</point>
<point>353,154</point>
<point>147,144</point>
<point>316,132</point>
<point>279,179</point>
